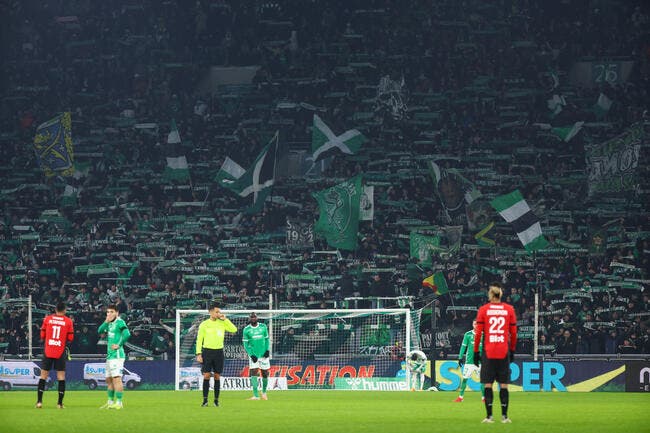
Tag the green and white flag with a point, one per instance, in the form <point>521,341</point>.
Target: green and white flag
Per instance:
<point>514,209</point>
<point>229,172</point>
<point>602,105</point>
<point>257,179</point>
<point>613,166</point>
<point>568,132</point>
<point>177,168</point>
<point>69,197</point>
<point>323,140</point>
<point>338,222</point>
<point>422,246</point>
<point>556,104</point>
<point>367,203</point>
<point>81,169</point>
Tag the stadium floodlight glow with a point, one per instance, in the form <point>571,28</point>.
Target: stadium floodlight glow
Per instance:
<point>311,348</point>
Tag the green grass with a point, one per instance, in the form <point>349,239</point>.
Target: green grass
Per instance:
<point>324,411</point>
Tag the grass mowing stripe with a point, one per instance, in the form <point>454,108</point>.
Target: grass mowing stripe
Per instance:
<point>324,411</point>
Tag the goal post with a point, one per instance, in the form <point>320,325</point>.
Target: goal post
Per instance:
<point>310,349</point>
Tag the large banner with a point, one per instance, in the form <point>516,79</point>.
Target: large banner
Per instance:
<point>53,146</point>
<point>367,203</point>
<point>89,375</point>
<point>612,165</point>
<point>380,374</point>
<point>574,376</point>
<point>321,373</point>
<point>600,72</point>
<point>191,378</point>
<point>218,76</point>
<point>300,235</point>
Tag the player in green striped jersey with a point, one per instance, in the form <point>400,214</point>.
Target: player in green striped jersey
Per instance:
<point>466,362</point>
<point>256,343</point>
<point>117,334</point>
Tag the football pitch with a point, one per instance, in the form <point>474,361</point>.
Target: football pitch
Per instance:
<point>324,411</point>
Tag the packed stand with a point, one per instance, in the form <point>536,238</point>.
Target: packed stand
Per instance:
<point>481,95</point>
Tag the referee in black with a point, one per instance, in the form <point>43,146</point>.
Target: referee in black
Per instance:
<point>209,349</point>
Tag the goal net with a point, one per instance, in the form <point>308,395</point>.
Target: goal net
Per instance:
<point>310,349</point>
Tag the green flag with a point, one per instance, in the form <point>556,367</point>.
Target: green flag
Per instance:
<point>339,213</point>
<point>598,241</point>
<point>568,132</point>
<point>69,198</point>
<point>422,246</point>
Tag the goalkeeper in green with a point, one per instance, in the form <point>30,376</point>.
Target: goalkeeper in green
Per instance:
<point>256,343</point>
<point>416,363</point>
<point>466,362</point>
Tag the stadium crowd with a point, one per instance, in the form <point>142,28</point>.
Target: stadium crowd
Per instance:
<point>481,93</point>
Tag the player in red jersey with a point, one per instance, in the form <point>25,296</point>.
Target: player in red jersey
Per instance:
<point>497,323</point>
<point>57,329</point>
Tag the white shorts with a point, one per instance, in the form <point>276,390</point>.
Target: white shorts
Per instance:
<point>114,367</point>
<point>469,369</point>
<point>262,363</point>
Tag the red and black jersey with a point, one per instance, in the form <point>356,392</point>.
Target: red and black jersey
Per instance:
<point>498,325</point>
<point>56,331</point>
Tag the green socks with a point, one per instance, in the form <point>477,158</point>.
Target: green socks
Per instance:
<point>254,385</point>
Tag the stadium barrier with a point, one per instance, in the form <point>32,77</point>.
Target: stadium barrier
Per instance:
<point>574,375</point>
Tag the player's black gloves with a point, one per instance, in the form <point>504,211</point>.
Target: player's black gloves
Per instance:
<point>266,354</point>
<point>477,358</point>
<point>461,362</point>
<point>254,358</point>
<point>512,356</point>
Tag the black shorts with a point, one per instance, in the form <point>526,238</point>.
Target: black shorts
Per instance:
<point>57,363</point>
<point>212,361</point>
<point>495,369</point>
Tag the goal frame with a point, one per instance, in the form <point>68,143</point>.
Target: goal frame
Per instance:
<point>349,312</point>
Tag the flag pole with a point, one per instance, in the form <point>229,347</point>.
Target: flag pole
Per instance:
<point>536,326</point>
<point>275,160</point>
<point>432,349</point>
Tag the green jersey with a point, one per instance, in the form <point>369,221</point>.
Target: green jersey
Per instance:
<point>116,333</point>
<point>467,348</point>
<point>256,339</point>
